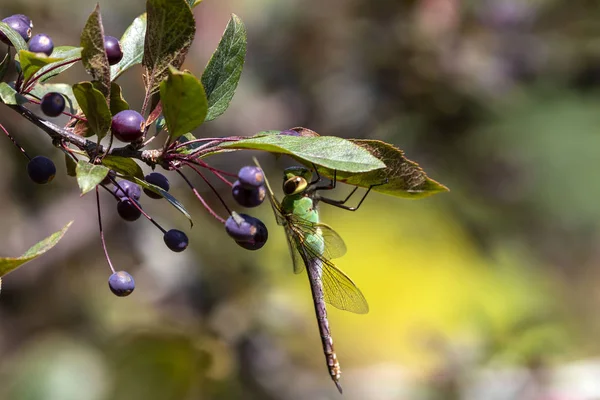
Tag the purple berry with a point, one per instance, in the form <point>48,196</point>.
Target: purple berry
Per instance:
<point>157,179</point>
<point>131,189</point>
<point>113,49</point>
<point>53,104</point>
<point>251,177</point>
<point>41,43</point>
<point>121,283</point>
<point>248,197</point>
<point>20,23</point>
<point>176,240</point>
<point>128,125</point>
<point>41,169</point>
<point>259,239</point>
<point>247,229</point>
<point>127,210</point>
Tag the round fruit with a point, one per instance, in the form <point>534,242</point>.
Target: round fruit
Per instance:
<point>121,283</point>
<point>248,197</point>
<point>251,177</point>
<point>127,210</point>
<point>41,169</point>
<point>243,227</point>
<point>176,240</point>
<point>259,240</point>
<point>128,125</point>
<point>158,179</point>
<point>114,53</point>
<point>53,104</point>
<point>131,189</point>
<point>41,43</point>
<point>20,23</point>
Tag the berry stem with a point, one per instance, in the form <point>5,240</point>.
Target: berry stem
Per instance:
<point>64,112</point>
<point>102,231</point>
<point>135,204</point>
<point>35,78</point>
<point>210,210</point>
<point>209,185</point>
<point>12,139</point>
<point>216,140</point>
<point>218,173</point>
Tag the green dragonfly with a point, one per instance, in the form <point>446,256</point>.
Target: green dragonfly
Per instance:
<point>313,245</point>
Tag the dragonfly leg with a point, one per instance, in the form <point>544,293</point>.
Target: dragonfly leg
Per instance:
<point>330,186</point>
<point>341,203</point>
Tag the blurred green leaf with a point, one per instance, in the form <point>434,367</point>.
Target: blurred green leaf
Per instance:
<point>12,35</point>
<point>222,74</point>
<point>170,31</point>
<point>8,264</point>
<point>4,64</point>
<point>183,101</point>
<point>69,55</point>
<point>41,89</point>
<point>123,165</point>
<point>71,165</point>
<point>117,102</point>
<point>194,3</point>
<point>327,151</point>
<point>89,175</point>
<point>93,54</point>
<point>174,202</point>
<point>9,96</point>
<point>132,44</point>
<point>33,62</point>
<point>94,107</point>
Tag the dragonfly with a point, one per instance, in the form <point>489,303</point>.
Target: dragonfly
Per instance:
<point>313,245</point>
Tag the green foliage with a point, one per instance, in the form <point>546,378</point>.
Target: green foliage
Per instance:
<point>4,64</point>
<point>12,35</point>
<point>69,56</point>
<point>32,63</point>
<point>89,175</point>
<point>123,165</point>
<point>132,44</point>
<point>169,35</point>
<point>222,74</point>
<point>94,107</point>
<point>70,165</point>
<point>9,96</point>
<point>183,101</point>
<point>93,54</point>
<point>117,102</point>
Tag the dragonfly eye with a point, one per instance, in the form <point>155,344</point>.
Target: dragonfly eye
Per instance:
<point>294,185</point>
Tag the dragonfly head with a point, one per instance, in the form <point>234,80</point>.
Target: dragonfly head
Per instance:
<point>295,179</point>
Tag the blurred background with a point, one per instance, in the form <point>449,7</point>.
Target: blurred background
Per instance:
<point>489,291</point>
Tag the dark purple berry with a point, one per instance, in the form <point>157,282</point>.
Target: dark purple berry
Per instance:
<point>176,240</point>
<point>248,197</point>
<point>41,43</point>
<point>113,49</point>
<point>53,104</point>
<point>41,169</point>
<point>158,179</point>
<point>259,239</point>
<point>244,228</point>
<point>20,23</point>
<point>128,125</point>
<point>131,189</point>
<point>251,177</point>
<point>127,210</point>
<point>121,283</point>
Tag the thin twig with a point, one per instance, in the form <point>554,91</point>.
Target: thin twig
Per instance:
<point>210,210</point>
<point>102,232</point>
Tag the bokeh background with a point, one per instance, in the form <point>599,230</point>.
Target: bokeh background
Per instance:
<point>489,291</point>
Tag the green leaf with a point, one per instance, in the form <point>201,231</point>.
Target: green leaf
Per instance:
<point>9,96</point>
<point>404,177</point>
<point>71,165</point>
<point>4,64</point>
<point>174,202</point>
<point>12,35</point>
<point>9,264</point>
<point>41,89</point>
<point>93,54</point>
<point>221,76</point>
<point>183,102</point>
<point>170,31</point>
<point>69,55</point>
<point>89,175</point>
<point>132,44</point>
<point>33,62</point>
<point>123,165</point>
<point>328,151</point>
<point>194,3</point>
<point>117,102</point>
<point>94,107</point>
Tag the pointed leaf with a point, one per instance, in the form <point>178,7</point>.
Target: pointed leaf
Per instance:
<point>93,54</point>
<point>123,165</point>
<point>221,76</point>
<point>4,64</point>
<point>41,89</point>
<point>12,35</point>
<point>94,107</point>
<point>33,62</point>
<point>170,31</point>
<point>71,165</point>
<point>327,151</point>
<point>70,56</point>
<point>9,264</point>
<point>132,44</point>
<point>9,96</point>
<point>117,102</point>
<point>174,202</point>
<point>183,102</point>
<point>89,175</point>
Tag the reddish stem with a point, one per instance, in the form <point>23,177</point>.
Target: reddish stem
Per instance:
<point>12,139</point>
<point>35,78</point>
<point>102,232</point>
<point>210,210</point>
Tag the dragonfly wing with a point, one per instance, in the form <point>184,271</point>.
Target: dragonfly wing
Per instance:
<point>296,257</point>
<point>332,242</point>
<point>275,204</point>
